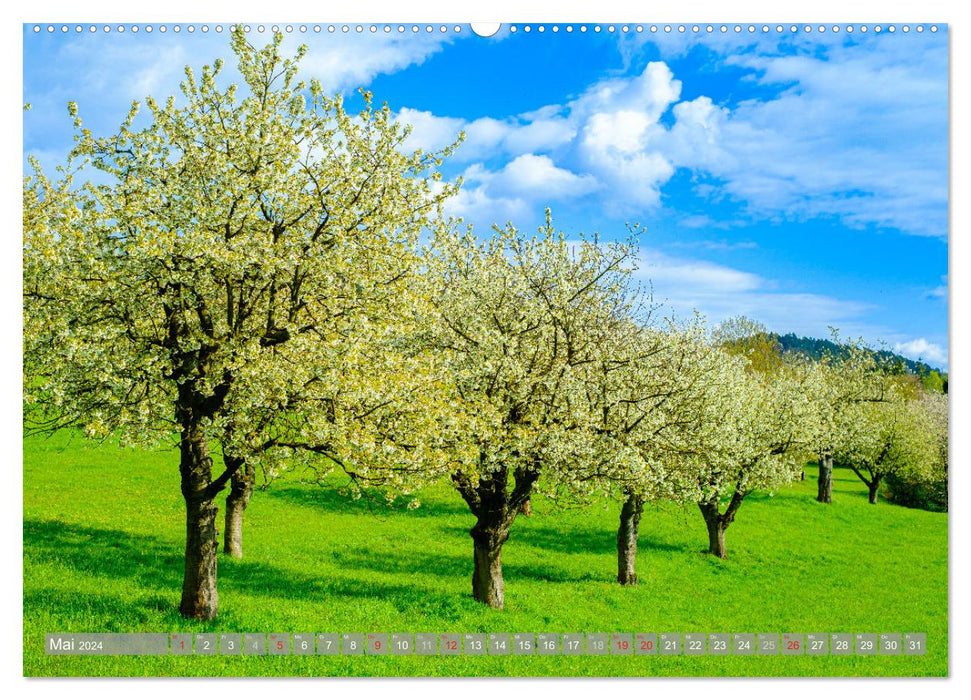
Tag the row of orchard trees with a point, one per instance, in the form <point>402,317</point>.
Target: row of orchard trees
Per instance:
<point>250,277</point>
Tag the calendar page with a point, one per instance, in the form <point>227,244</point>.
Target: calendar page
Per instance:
<point>485,350</point>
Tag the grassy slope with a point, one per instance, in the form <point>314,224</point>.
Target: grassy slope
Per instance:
<point>103,534</point>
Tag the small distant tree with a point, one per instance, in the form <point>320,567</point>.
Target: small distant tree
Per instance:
<point>887,438</point>
<point>239,233</point>
<point>750,339</point>
<point>854,376</point>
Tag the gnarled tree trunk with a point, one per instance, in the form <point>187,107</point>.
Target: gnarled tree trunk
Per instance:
<point>495,508</point>
<point>240,492</point>
<point>630,521</point>
<point>490,532</point>
<point>824,492</point>
<point>872,484</point>
<point>874,488</point>
<point>716,529</point>
<point>200,599</point>
<point>487,584</point>
<point>718,522</point>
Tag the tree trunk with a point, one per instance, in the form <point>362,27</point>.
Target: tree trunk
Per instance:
<point>495,508</point>
<point>487,585</point>
<point>716,529</point>
<point>630,522</point>
<point>240,492</point>
<point>874,488</point>
<point>200,599</point>
<point>825,490</point>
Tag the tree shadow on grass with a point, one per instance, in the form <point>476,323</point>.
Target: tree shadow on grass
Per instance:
<point>329,498</point>
<point>453,566</point>
<point>574,541</point>
<point>156,564</point>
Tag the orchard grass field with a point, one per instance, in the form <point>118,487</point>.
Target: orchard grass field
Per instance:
<point>104,535</point>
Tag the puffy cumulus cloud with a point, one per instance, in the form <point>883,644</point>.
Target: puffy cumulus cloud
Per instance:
<point>610,136</point>
<point>428,131</point>
<point>477,206</point>
<point>621,138</point>
<point>486,136</point>
<point>923,350</point>
<point>521,187</point>
<point>534,174</point>
<point>650,93</point>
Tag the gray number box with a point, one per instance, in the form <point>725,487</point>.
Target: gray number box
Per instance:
<point>352,644</point>
<point>426,644</point>
<point>645,644</point>
<point>401,644</point>
<point>694,644</point>
<point>621,643</point>
<point>449,644</point>
<point>866,644</point>
<point>523,644</point>
<point>548,644</point>
<point>915,643</point>
<point>206,644</point>
<point>180,644</point>
<point>768,643</point>
<point>279,644</point>
<point>841,644</point>
<point>377,644</point>
<point>890,644</point>
<point>254,644</point>
<point>669,644</point>
<point>792,644</point>
<point>719,644</point>
<point>475,644</point>
<point>498,644</point>
<point>817,644</point>
<point>597,644</point>
<point>573,644</point>
<point>743,644</point>
<point>328,644</point>
<point>230,644</point>
<point>303,644</point>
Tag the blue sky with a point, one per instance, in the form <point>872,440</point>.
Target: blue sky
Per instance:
<point>797,178</point>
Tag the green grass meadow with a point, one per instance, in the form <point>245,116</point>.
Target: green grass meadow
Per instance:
<point>104,531</point>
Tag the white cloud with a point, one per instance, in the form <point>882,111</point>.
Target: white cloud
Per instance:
<point>428,131</point>
<point>517,191</point>
<point>531,174</point>
<point>938,292</point>
<point>697,277</point>
<point>343,61</point>
<point>921,349</point>
<point>486,136</point>
<point>476,205</point>
<point>681,286</point>
<point>857,132</point>
<point>852,128</point>
<point>539,135</point>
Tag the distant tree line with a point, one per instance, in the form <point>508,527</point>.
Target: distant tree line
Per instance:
<point>817,348</point>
